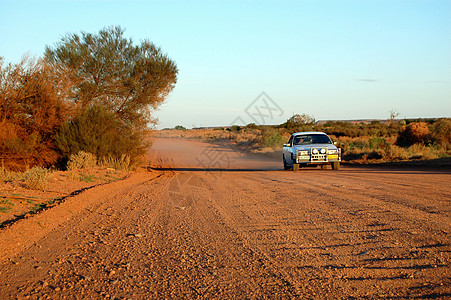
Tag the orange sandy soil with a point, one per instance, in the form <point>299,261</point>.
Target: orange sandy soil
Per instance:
<point>209,222</point>
<point>17,201</point>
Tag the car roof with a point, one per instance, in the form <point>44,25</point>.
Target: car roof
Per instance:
<point>308,132</point>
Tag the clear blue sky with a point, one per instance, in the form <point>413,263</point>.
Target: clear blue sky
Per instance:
<point>330,59</point>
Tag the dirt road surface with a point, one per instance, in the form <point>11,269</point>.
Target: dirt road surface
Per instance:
<point>209,222</point>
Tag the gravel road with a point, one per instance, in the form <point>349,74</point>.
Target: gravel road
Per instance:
<point>206,221</point>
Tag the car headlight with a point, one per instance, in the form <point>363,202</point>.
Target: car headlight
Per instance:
<point>323,151</point>
<point>315,151</point>
<point>332,152</point>
<point>303,152</point>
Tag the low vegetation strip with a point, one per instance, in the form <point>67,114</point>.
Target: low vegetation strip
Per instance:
<point>364,142</point>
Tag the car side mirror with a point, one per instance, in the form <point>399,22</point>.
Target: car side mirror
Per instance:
<point>285,145</point>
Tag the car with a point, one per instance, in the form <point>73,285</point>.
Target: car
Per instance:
<point>310,148</point>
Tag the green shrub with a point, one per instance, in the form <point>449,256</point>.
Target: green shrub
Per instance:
<point>377,143</point>
<point>251,126</point>
<point>235,128</point>
<point>101,133</point>
<point>271,138</point>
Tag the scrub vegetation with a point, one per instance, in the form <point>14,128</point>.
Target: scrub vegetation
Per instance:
<point>361,141</point>
<point>89,92</point>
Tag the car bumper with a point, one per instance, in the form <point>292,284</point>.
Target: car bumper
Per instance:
<point>317,158</point>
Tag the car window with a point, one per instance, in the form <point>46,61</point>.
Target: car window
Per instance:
<point>290,140</point>
<point>312,139</point>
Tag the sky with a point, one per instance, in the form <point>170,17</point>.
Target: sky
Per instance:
<point>263,61</point>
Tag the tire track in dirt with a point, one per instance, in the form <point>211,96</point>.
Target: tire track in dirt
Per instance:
<point>241,231</point>
<point>373,226</point>
<point>403,202</point>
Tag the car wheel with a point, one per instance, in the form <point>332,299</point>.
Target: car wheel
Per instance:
<point>295,167</point>
<point>336,165</point>
<point>285,165</point>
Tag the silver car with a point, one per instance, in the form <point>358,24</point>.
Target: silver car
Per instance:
<point>310,148</point>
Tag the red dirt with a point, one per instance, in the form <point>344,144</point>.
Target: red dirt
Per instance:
<point>17,201</point>
<point>209,222</point>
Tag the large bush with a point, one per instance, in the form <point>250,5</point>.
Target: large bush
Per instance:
<point>414,133</point>
<point>101,133</point>
<point>441,131</point>
<point>271,138</point>
<point>32,108</point>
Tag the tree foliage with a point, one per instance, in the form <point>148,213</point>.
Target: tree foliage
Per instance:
<point>302,119</point>
<point>299,122</point>
<point>110,71</point>
<point>32,109</point>
<point>179,127</point>
<point>91,92</point>
<point>101,133</point>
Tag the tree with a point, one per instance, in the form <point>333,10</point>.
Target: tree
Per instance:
<point>32,109</point>
<point>100,132</point>
<point>393,115</point>
<point>299,122</point>
<point>110,71</point>
<point>179,127</point>
<point>303,119</point>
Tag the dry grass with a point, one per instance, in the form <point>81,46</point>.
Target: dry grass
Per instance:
<point>82,160</point>
<point>361,148</point>
<point>6,175</point>
<point>85,160</point>
<point>36,178</point>
<point>122,163</point>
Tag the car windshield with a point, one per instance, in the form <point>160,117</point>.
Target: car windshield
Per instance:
<point>312,139</point>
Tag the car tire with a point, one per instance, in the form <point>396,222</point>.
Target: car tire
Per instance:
<point>285,165</point>
<point>336,165</point>
<point>295,167</point>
